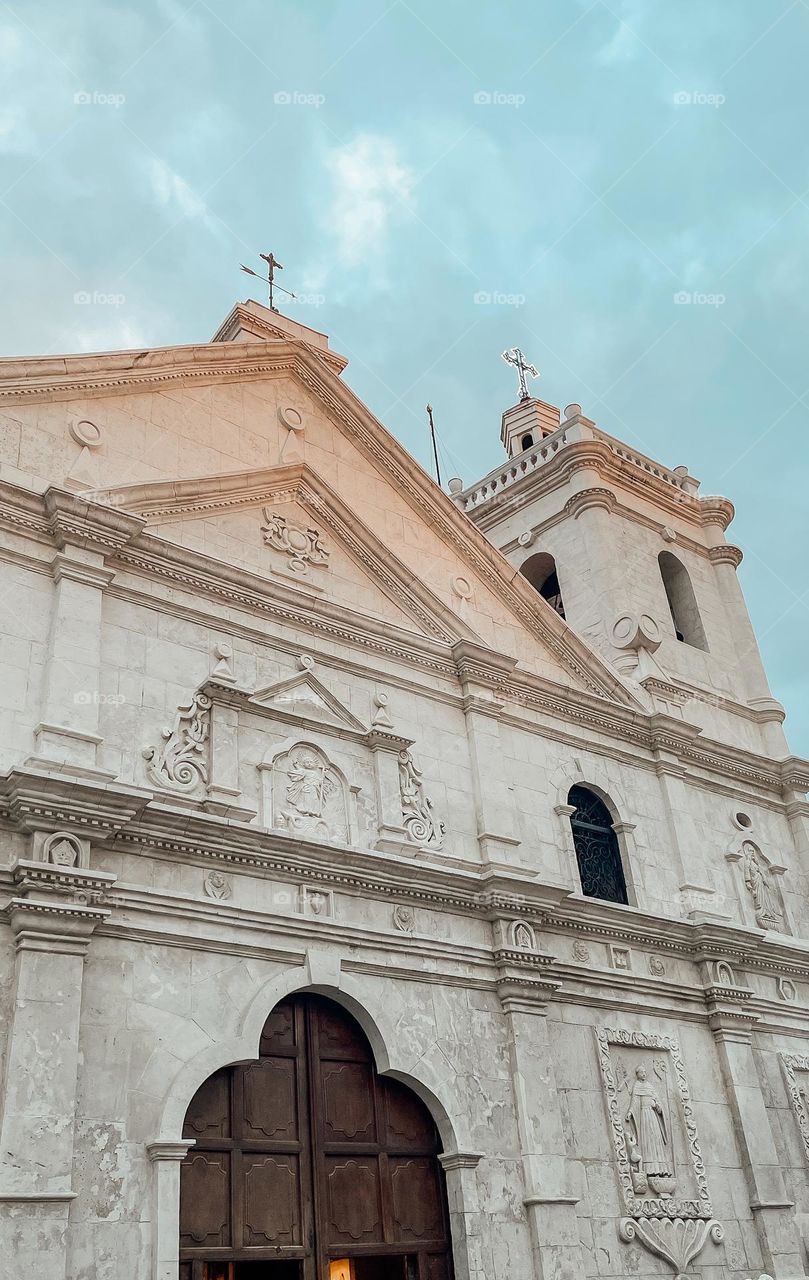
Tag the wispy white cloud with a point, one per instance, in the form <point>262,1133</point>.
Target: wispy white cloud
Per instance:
<point>369,178</point>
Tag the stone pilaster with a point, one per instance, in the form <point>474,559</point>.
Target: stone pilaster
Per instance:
<point>493,799</point>
<point>386,748</point>
<point>166,1157</point>
<point>468,1222</point>
<point>52,915</point>
<point>84,534</point>
<point>526,983</point>
<point>773,1211</point>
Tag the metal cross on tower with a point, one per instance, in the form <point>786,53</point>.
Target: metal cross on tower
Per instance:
<point>273,265</point>
<point>515,357</point>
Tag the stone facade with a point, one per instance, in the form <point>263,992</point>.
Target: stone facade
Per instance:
<point>278,716</point>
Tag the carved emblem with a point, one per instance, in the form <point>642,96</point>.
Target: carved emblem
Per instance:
<point>523,937</point>
<point>181,763</point>
<point>581,952</point>
<point>303,547</point>
<point>217,885</point>
<point>63,850</point>
<point>309,795</point>
<point>657,967</point>
<point>417,807</point>
<point>760,885</point>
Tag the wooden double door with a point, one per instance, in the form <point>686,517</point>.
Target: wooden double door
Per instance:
<point>307,1165</point>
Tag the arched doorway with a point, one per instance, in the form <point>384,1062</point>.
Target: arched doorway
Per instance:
<point>307,1165</point>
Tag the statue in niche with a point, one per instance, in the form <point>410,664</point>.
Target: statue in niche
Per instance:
<point>758,878</point>
<point>648,1139</point>
<point>313,802</point>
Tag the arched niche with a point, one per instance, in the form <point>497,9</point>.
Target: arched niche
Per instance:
<point>540,570</point>
<point>683,606</point>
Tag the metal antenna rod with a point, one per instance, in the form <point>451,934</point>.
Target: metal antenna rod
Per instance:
<point>435,446</point>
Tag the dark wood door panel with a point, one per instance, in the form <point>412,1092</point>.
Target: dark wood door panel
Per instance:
<point>353,1201</point>
<point>269,1106</point>
<point>208,1115</point>
<point>347,1094</point>
<point>272,1201</point>
<point>205,1200</point>
<point>417,1208</point>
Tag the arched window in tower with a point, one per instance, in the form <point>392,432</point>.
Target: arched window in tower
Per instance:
<point>682,602</point>
<point>527,441</point>
<point>540,570</point>
<point>600,868</point>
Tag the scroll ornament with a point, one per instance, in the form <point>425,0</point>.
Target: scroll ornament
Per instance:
<point>417,807</point>
<point>181,763</point>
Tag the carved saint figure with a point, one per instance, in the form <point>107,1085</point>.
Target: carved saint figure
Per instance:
<point>646,1126</point>
<point>758,879</point>
<point>312,797</point>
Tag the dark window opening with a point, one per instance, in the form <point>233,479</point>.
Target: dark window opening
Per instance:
<point>540,571</point>
<point>683,606</point>
<point>527,442</point>
<point>597,852</point>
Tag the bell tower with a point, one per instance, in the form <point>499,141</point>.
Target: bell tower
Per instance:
<point>635,559</point>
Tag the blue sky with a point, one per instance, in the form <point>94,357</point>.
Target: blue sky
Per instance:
<point>581,163</point>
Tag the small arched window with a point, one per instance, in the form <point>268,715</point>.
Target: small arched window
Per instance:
<point>600,868</point>
<point>527,442</point>
<point>682,602</point>
<point>540,571</point>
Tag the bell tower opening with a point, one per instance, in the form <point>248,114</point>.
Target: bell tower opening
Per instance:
<point>308,1164</point>
<point>540,571</point>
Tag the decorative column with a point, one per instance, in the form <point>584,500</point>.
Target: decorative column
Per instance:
<point>85,534</point>
<point>52,915</point>
<point>166,1158</point>
<point>732,1027</point>
<point>526,983</point>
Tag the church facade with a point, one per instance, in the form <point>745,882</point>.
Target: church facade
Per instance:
<point>394,884</point>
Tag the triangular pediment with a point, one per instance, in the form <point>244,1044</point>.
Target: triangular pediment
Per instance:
<point>269,390</point>
<point>304,698</point>
<point>288,526</point>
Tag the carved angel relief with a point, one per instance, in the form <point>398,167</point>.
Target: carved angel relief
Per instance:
<point>417,807</point>
<point>657,1150</point>
<point>309,795</point>
<point>303,547</point>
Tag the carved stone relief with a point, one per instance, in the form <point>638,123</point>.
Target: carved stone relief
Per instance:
<point>581,952</point>
<point>181,763</point>
<point>660,1166</point>
<point>417,807</point>
<point>309,795</point>
<point>523,936</point>
<point>657,967</point>
<point>404,918</point>
<point>217,885</point>
<point>317,902</point>
<point>64,850</point>
<point>761,886</point>
<point>303,548</point>
<point>796,1072</point>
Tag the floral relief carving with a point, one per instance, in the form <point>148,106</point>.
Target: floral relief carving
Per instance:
<point>309,796</point>
<point>181,763</point>
<point>795,1065</point>
<point>417,807</point>
<point>303,548</point>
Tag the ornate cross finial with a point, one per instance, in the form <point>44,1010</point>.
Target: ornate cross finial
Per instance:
<point>516,358</point>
